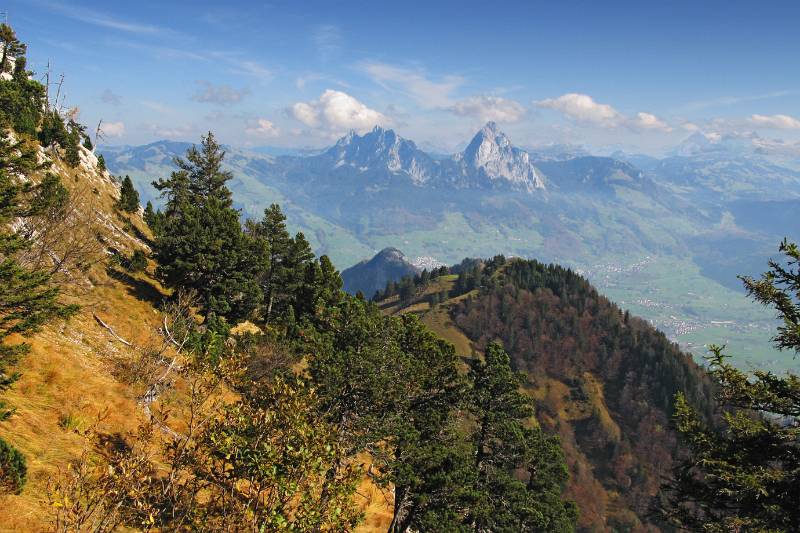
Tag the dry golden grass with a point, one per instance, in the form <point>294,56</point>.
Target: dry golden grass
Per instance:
<point>70,379</point>
<point>67,385</point>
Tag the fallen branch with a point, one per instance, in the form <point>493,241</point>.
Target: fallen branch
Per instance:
<point>111,330</point>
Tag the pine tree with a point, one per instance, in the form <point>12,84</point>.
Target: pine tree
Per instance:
<point>22,99</point>
<point>744,474</point>
<point>205,248</point>
<point>274,274</point>
<point>12,46</point>
<point>128,196</point>
<point>101,162</point>
<point>72,146</point>
<point>497,499</point>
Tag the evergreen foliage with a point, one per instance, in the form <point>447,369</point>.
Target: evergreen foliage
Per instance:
<point>128,196</point>
<point>12,47</point>
<point>13,469</point>
<point>137,261</point>
<point>744,474</point>
<point>21,98</point>
<point>204,248</point>
<point>500,445</point>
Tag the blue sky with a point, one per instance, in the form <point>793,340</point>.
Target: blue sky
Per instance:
<point>638,75</point>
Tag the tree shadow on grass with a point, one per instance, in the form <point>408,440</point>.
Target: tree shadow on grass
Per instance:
<point>137,287</point>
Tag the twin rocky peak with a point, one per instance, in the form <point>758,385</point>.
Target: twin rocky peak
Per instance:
<point>490,161</point>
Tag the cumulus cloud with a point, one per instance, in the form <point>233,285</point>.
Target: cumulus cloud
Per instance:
<point>109,97</point>
<point>336,110</point>
<point>224,95</point>
<point>778,122</point>
<point>113,129</point>
<point>426,92</point>
<point>583,108</point>
<point>648,121</point>
<point>489,108</point>
<point>262,127</point>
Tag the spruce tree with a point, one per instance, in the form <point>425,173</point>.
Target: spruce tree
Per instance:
<point>205,248</point>
<point>12,46</point>
<point>744,473</point>
<point>128,196</point>
<point>497,499</point>
<point>275,271</point>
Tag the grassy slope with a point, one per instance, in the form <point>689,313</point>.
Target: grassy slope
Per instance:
<point>70,380</point>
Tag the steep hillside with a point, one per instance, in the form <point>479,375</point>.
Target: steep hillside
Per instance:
<point>90,379</point>
<point>604,381</point>
<point>71,379</point>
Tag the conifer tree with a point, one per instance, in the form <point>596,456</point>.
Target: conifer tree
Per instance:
<point>205,248</point>
<point>12,46</point>
<point>498,500</point>
<point>128,196</point>
<point>744,474</point>
<point>274,272</point>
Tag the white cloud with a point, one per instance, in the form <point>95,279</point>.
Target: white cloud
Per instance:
<point>180,132</point>
<point>489,108</point>
<point>262,127</point>
<point>426,92</point>
<point>583,108</point>
<point>690,126</point>
<point>251,68</point>
<point>158,107</point>
<point>113,129</point>
<point>336,110</point>
<point>648,121</point>
<point>780,122</point>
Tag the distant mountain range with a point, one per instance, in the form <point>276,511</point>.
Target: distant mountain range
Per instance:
<point>713,208</point>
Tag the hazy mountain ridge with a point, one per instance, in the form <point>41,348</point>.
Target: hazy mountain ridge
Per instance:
<point>368,276</point>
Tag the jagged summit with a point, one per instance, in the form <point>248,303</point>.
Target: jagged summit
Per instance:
<point>491,159</point>
<point>382,150</point>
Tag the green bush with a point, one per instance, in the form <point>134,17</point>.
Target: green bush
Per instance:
<point>137,262</point>
<point>13,470</point>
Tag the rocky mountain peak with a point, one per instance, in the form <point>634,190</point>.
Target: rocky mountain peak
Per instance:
<point>491,157</point>
<point>382,150</point>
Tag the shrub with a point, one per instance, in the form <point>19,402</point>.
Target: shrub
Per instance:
<point>13,470</point>
<point>137,262</point>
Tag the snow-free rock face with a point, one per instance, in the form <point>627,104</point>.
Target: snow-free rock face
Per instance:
<point>491,160</point>
<point>383,150</point>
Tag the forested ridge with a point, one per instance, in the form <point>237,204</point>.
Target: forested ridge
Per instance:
<point>557,327</point>
<point>183,369</point>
